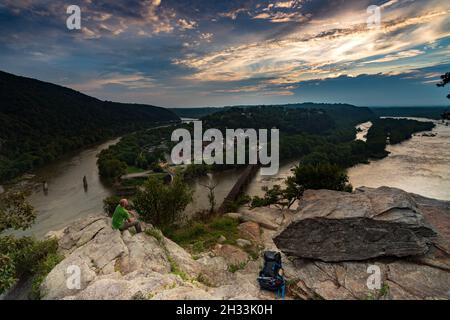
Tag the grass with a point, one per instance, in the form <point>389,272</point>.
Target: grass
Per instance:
<point>175,269</point>
<point>201,236</point>
<point>379,294</point>
<point>43,269</point>
<point>236,267</point>
<point>155,233</point>
<point>136,182</point>
<point>133,169</point>
<point>133,182</point>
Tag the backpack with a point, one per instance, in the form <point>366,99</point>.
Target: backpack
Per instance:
<point>270,277</point>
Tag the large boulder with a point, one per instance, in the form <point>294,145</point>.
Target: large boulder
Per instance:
<point>122,265</point>
<point>369,223</point>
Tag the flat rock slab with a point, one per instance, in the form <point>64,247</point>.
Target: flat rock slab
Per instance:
<point>337,226</point>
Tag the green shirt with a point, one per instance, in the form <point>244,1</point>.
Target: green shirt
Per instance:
<point>119,217</point>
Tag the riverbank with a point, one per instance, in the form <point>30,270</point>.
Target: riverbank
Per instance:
<point>66,199</point>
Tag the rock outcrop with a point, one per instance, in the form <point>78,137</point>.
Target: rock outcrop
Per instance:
<point>339,226</point>
<point>423,274</point>
<point>122,265</point>
<point>115,265</point>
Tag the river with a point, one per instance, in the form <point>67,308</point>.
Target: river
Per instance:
<point>420,165</point>
<point>66,199</point>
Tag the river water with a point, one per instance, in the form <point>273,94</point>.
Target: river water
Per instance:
<point>420,165</point>
<point>66,199</point>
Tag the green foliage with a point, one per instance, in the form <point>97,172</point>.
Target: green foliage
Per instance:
<point>110,204</point>
<point>194,113</point>
<point>236,267</point>
<point>155,233</point>
<point>162,204</point>
<point>445,79</point>
<point>398,130</point>
<point>233,206</point>
<point>133,169</point>
<point>136,152</point>
<point>193,171</point>
<point>15,212</point>
<point>198,237</point>
<point>111,169</point>
<point>379,294</point>
<point>282,198</point>
<point>7,273</point>
<point>42,269</point>
<point>319,176</point>
<point>27,257</point>
<point>289,120</point>
<point>175,269</point>
<point>22,257</point>
<point>41,122</point>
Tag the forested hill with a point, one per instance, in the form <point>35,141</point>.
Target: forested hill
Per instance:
<point>342,114</point>
<point>41,121</point>
<point>293,118</point>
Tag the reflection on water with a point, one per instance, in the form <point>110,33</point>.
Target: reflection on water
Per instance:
<point>363,129</point>
<point>420,165</point>
<point>224,180</point>
<point>259,182</point>
<point>67,199</point>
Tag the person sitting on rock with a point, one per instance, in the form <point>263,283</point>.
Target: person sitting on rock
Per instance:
<point>124,219</point>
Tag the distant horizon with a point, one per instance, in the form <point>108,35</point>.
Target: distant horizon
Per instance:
<point>237,105</point>
<point>238,52</point>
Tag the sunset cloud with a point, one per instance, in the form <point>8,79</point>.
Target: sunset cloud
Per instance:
<point>203,52</point>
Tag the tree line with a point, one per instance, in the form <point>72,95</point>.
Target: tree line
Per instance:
<point>42,121</point>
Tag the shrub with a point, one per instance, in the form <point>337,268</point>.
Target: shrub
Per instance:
<point>110,204</point>
<point>199,237</point>
<point>7,273</point>
<point>42,270</point>
<point>15,212</point>
<point>111,169</point>
<point>320,176</point>
<point>162,204</point>
<point>26,257</point>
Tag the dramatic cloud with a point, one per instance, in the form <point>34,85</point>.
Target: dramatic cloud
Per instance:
<point>202,52</point>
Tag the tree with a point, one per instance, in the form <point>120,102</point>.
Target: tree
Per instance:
<point>112,169</point>
<point>162,204</point>
<point>319,176</point>
<point>281,198</point>
<point>211,196</point>
<point>110,204</point>
<point>15,212</point>
<point>445,79</point>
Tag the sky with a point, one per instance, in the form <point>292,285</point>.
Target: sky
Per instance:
<point>195,53</point>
